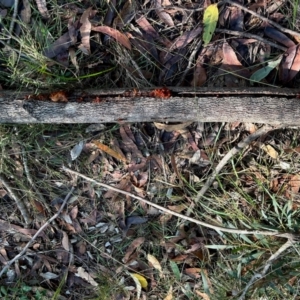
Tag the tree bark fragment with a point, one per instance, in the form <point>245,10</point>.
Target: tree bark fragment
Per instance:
<point>273,106</point>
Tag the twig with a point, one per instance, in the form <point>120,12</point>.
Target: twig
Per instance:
<point>189,66</point>
<point>285,246</point>
<point>251,36</point>
<point>29,178</point>
<point>215,227</point>
<point>21,206</point>
<point>240,146</point>
<point>291,32</point>
<point>13,19</point>
<point>37,233</point>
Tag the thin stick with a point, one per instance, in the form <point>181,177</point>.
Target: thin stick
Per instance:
<point>191,61</point>
<point>20,204</point>
<point>285,246</point>
<point>215,227</point>
<point>291,32</point>
<point>37,233</point>
<point>241,145</point>
<point>30,180</point>
<point>251,36</point>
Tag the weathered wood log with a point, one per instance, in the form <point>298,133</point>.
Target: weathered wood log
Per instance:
<point>273,106</point>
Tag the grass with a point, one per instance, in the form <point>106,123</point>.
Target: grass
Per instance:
<point>231,203</point>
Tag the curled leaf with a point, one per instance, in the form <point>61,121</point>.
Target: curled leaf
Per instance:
<point>142,280</point>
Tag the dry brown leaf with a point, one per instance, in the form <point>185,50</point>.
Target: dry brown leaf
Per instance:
<point>110,151</point>
<point>186,38</point>
<point>42,7</point>
<point>164,17</point>
<point>85,30</point>
<point>26,12</point>
<point>126,15</point>
<point>38,206</point>
<point>138,161</point>
<point>146,26</point>
<point>177,208</point>
<point>140,179</point>
<point>292,150</point>
<point>124,185</point>
<point>86,276</point>
<point>290,64</point>
<point>74,212</point>
<point>232,64</point>
<point>77,226</point>
<point>180,257</point>
<point>149,29</point>
<point>4,254</point>
<point>81,247</point>
<point>200,76</point>
<point>69,227</point>
<point>232,18</point>
<point>193,248</point>
<point>65,241</point>
<point>193,272</point>
<point>163,219</point>
<point>292,280</point>
<point>8,227</point>
<point>116,34</point>
<point>294,183</point>
<point>61,44</point>
<point>132,247</point>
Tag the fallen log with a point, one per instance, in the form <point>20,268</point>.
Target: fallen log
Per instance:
<point>259,105</point>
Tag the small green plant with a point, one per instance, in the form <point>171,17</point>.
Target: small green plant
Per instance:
<point>21,291</point>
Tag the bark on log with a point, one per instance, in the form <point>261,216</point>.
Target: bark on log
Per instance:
<point>273,106</point>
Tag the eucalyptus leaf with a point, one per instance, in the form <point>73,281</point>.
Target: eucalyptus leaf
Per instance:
<point>210,19</point>
<point>265,71</point>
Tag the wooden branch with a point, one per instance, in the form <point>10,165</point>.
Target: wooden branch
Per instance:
<point>273,106</point>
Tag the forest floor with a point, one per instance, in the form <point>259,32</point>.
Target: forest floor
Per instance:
<point>149,210</point>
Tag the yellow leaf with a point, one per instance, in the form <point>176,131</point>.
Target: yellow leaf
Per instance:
<point>203,296</point>
<point>270,151</point>
<point>142,280</point>
<point>170,294</point>
<point>110,151</point>
<point>210,19</point>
